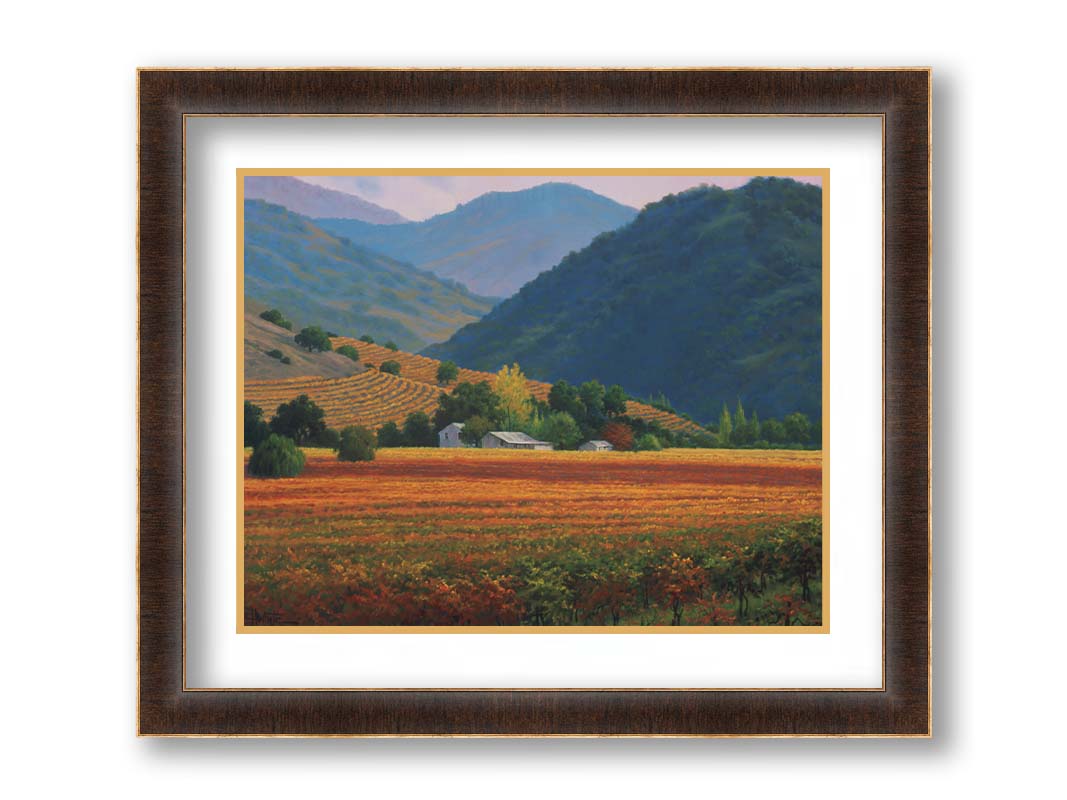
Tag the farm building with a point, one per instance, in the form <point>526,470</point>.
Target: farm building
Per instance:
<point>596,445</point>
<point>513,441</point>
<point>448,436</point>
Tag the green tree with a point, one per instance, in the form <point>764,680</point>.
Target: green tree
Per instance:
<point>390,367</point>
<point>276,457</point>
<point>561,429</point>
<point>256,429</point>
<point>797,427</point>
<point>357,444</point>
<point>740,425</point>
<point>592,395</point>
<point>391,345</point>
<point>367,338</point>
<point>328,438</point>
<point>418,432</point>
<point>725,427</point>
<point>300,420</point>
<point>447,372</point>
<point>563,397</point>
<point>615,401</point>
<point>473,430</point>
<point>313,338</point>
<point>389,435</point>
<point>772,431</point>
<point>277,318</point>
<point>647,441</point>
<point>468,400</point>
<point>349,351</point>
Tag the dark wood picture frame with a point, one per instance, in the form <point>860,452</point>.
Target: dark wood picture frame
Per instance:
<point>901,97</point>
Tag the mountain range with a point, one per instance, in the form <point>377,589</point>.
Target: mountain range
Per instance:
<point>498,241</point>
<point>316,278</point>
<point>708,296</point>
<point>310,200</point>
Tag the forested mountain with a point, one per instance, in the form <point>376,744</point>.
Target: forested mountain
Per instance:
<point>311,200</point>
<point>500,240</point>
<point>707,296</point>
<point>324,280</point>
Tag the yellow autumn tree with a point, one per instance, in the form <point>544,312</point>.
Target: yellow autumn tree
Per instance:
<point>510,387</point>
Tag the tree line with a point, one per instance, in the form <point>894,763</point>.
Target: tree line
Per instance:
<point>299,423</point>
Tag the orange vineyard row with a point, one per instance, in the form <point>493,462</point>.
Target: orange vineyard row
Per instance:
<point>424,370</point>
<point>370,398</point>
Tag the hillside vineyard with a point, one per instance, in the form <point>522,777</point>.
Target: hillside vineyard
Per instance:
<point>373,398</point>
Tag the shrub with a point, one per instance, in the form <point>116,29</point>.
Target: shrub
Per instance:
<point>276,457</point>
<point>676,583</point>
<point>391,367</point>
<point>349,351</point>
<point>367,338</point>
<point>286,360</point>
<point>801,551</point>
<point>647,441</point>
<point>278,354</point>
<point>277,318</point>
<point>357,444</point>
<point>447,372</point>
<point>391,345</point>
<point>314,339</point>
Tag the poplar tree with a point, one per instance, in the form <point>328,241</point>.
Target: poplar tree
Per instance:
<point>725,427</point>
<point>510,386</point>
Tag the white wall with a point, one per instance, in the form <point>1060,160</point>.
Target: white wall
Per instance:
<point>68,197</point>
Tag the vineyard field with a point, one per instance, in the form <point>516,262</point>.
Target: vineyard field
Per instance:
<point>369,398</point>
<point>498,537</point>
<point>424,370</point>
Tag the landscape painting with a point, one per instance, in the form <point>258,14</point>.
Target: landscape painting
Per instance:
<point>532,401</point>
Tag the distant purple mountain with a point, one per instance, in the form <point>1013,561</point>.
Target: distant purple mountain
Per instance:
<point>499,241</point>
<point>310,200</point>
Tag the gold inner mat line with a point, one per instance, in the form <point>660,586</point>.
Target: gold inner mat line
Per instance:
<point>824,628</point>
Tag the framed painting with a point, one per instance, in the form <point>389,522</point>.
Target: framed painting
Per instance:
<point>534,402</point>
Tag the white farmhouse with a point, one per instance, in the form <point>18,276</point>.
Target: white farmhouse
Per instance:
<point>510,440</point>
<point>596,445</point>
<point>448,436</point>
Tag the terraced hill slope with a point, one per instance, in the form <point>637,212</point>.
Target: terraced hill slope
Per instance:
<point>423,369</point>
<point>370,398</point>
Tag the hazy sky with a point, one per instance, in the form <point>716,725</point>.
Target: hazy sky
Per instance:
<point>423,196</point>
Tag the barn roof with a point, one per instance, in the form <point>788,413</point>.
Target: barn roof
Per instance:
<point>452,425</point>
<point>599,443</point>
<point>514,437</point>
